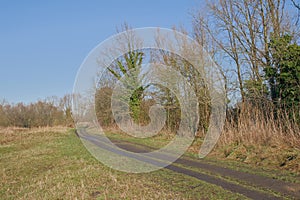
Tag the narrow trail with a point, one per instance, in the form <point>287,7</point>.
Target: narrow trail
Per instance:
<point>260,185</point>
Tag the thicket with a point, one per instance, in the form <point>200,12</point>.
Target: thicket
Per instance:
<point>50,112</point>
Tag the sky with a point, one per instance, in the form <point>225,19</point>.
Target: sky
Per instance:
<point>43,43</point>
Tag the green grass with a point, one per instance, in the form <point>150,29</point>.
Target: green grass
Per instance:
<point>51,164</point>
<point>156,141</point>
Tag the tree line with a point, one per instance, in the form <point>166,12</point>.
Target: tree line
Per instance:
<point>52,111</point>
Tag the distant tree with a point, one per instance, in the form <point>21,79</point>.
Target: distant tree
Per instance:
<point>52,111</point>
<point>103,106</point>
<point>65,104</point>
<point>3,116</point>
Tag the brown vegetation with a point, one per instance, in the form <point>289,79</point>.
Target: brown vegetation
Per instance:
<point>50,112</point>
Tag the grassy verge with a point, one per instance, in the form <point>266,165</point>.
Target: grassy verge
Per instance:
<point>53,164</point>
<point>234,181</point>
<point>269,157</point>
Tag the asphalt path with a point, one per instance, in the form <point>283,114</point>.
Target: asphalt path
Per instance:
<point>259,185</point>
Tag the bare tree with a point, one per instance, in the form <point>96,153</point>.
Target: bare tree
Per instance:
<point>242,30</point>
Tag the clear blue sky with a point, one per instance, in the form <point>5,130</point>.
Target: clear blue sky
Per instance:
<point>43,43</point>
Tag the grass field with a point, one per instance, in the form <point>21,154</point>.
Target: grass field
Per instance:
<point>53,164</point>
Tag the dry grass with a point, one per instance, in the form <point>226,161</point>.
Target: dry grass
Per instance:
<point>15,134</point>
<point>44,164</point>
<point>255,127</point>
<point>258,138</point>
<point>62,129</point>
